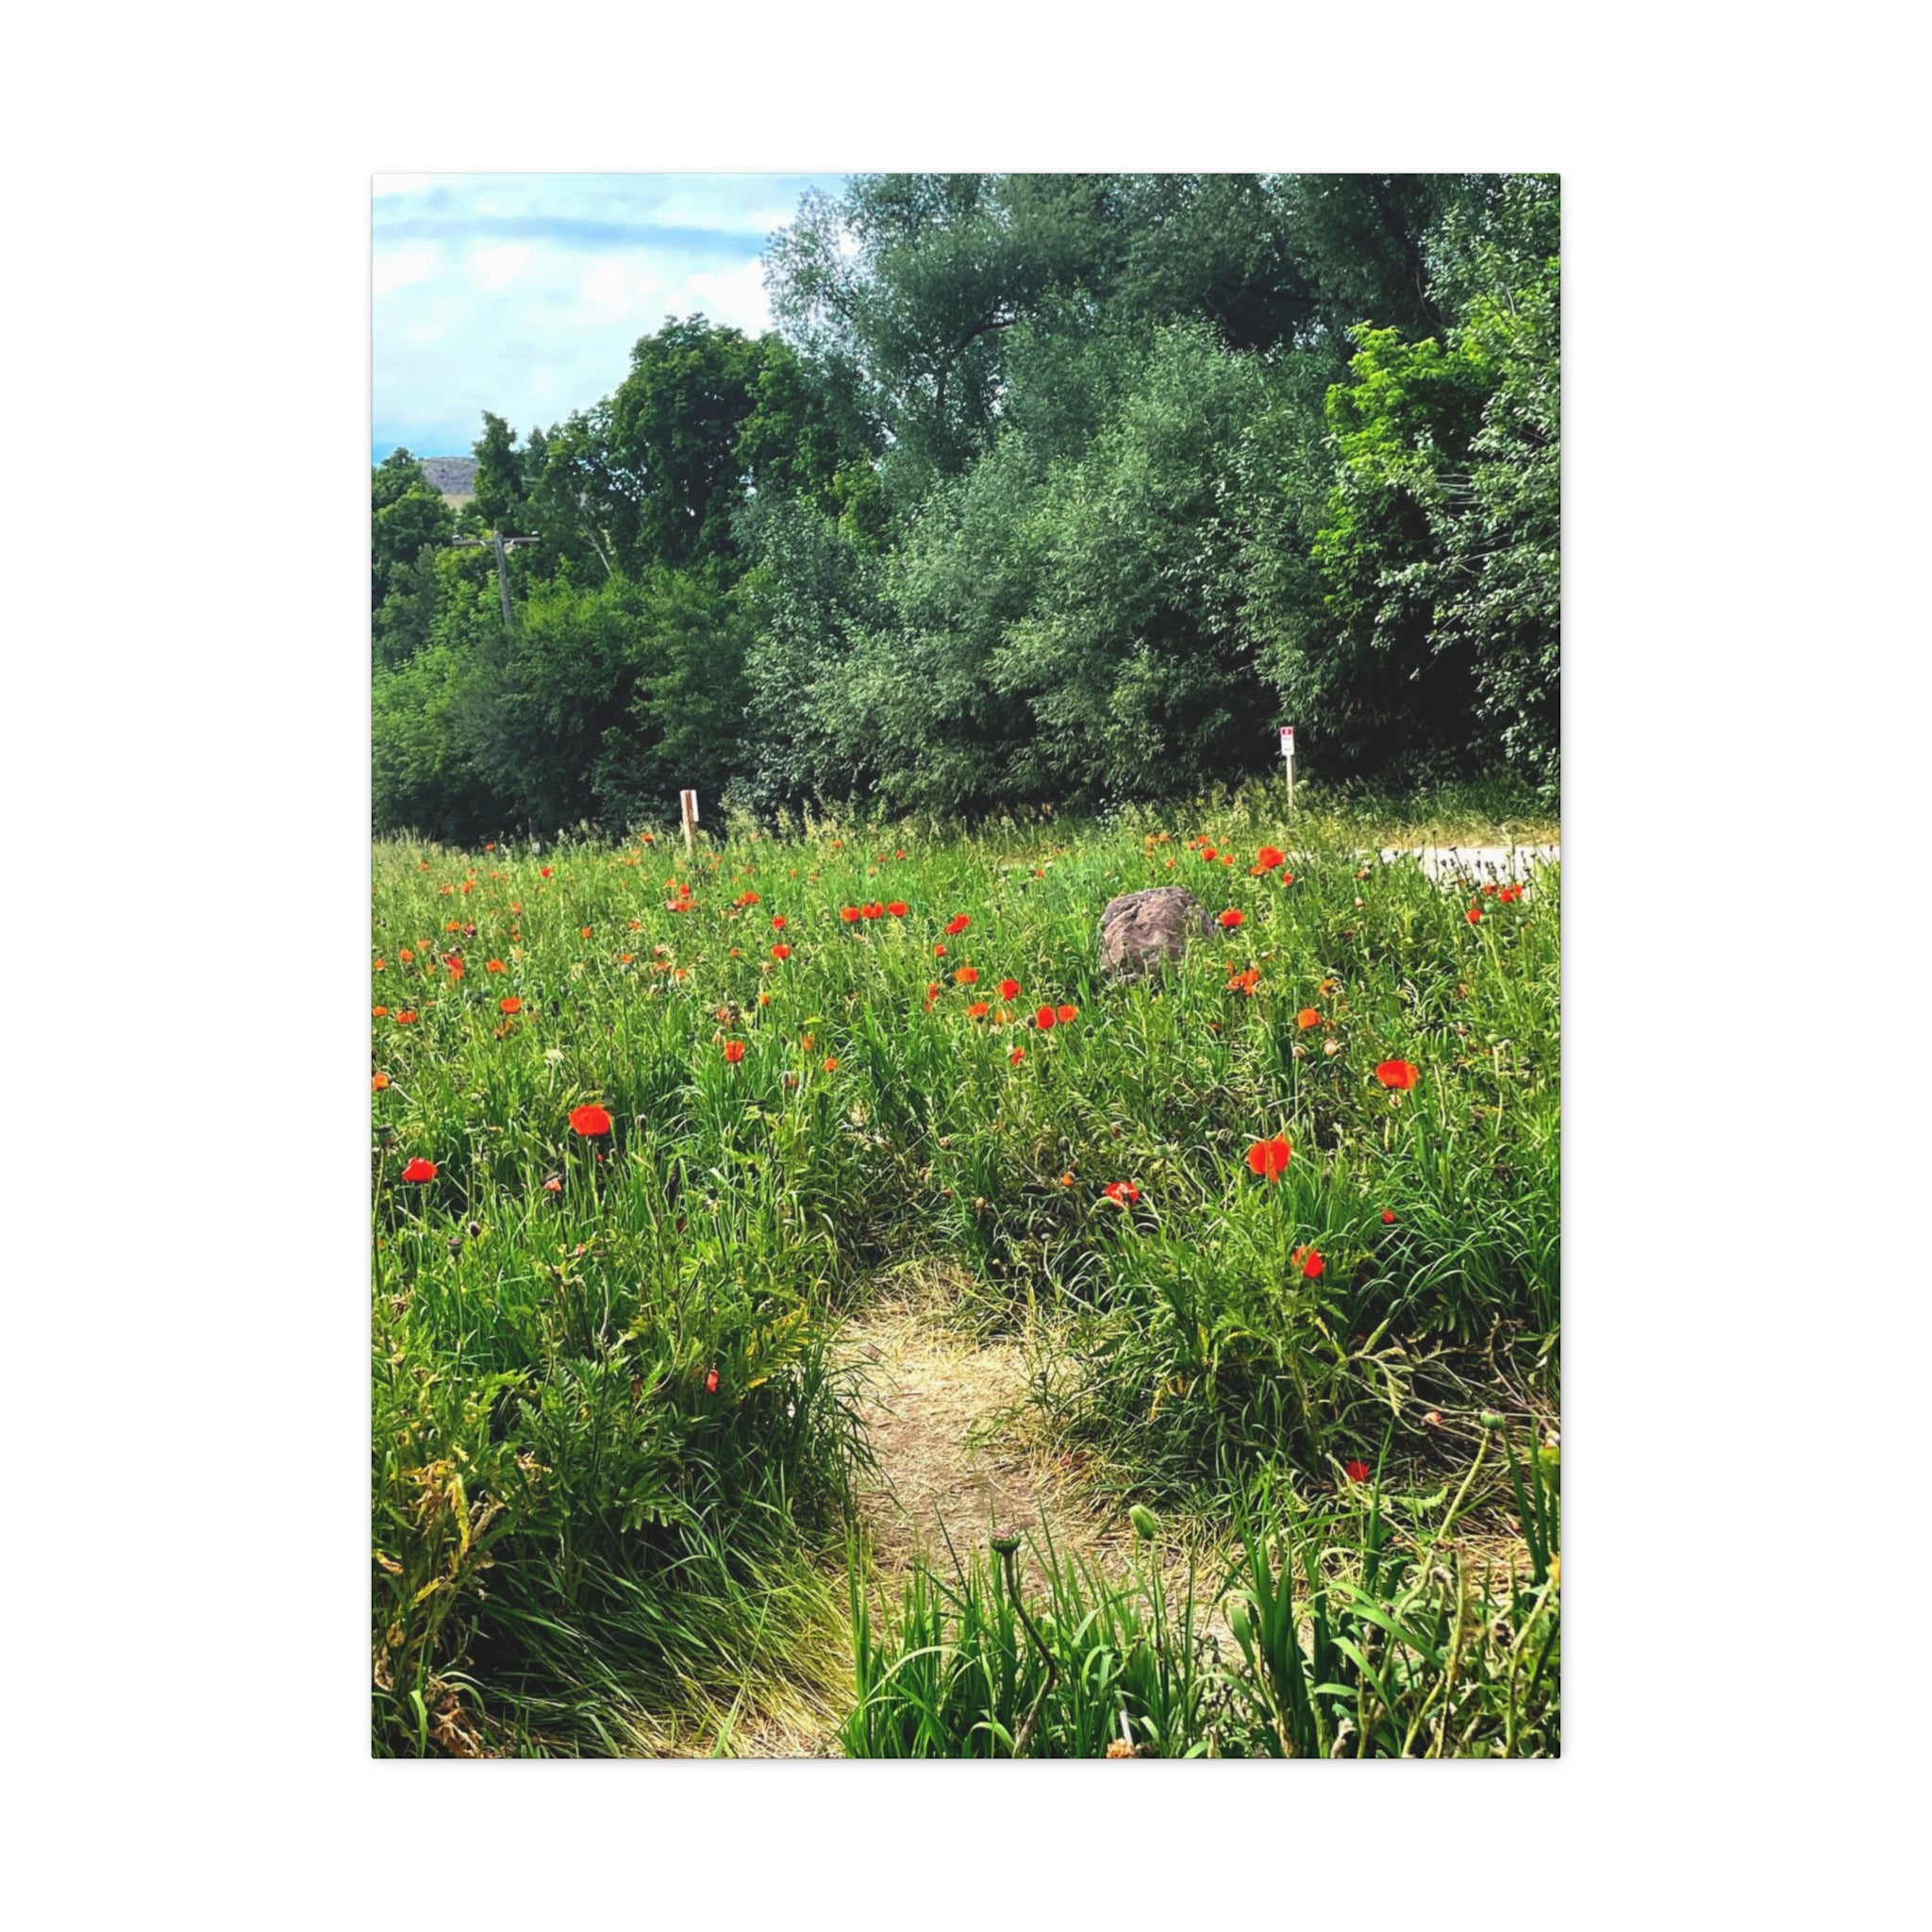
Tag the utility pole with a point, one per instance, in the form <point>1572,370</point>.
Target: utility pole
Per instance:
<point>498,542</point>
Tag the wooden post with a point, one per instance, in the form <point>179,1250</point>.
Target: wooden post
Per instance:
<point>688,806</point>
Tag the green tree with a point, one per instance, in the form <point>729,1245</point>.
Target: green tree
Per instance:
<point>500,479</point>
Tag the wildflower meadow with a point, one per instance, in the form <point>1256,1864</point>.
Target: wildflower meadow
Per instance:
<point>1276,1230</point>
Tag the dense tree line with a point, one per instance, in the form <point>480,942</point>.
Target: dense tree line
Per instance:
<point>1047,487</point>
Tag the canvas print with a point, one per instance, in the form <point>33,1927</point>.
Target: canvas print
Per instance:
<point>965,966</point>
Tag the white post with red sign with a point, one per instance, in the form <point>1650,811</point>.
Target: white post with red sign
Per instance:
<point>688,807</point>
<point>1288,757</point>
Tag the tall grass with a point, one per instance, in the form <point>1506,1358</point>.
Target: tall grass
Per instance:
<point>612,1449</point>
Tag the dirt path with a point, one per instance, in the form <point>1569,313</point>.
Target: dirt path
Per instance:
<point>958,1458</point>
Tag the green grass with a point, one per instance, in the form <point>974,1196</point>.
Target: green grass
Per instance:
<point>613,1449</point>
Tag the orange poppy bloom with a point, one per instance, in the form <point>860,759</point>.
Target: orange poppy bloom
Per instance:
<point>781,952</point>
<point>967,976</point>
<point>1233,917</point>
<point>584,932</point>
<point>849,914</point>
<point>378,1082</point>
<point>378,1012</point>
<point>1018,1054</point>
<point>1009,988</point>
<point>1044,1019</point>
<point>977,1010</point>
<point>554,1185</point>
<point>832,1066</point>
<point>1398,1075</point>
<point>896,908</point>
<point>957,924</point>
<point>1244,982</point>
<point>1268,859</point>
<point>405,1019</point>
<point>1067,1015</point>
<point>778,923</point>
<point>512,1005</point>
<point>1473,915</point>
<point>734,1051</point>
<point>589,1120</point>
<point>1120,1193</point>
<point>1307,1017</point>
<point>495,966</point>
<point>1271,1157</point>
<point>405,956</point>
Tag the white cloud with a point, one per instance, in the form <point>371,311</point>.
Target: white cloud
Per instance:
<point>500,266</point>
<point>400,268</point>
<point>523,295</point>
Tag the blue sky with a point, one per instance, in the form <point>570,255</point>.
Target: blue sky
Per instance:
<point>522,294</point>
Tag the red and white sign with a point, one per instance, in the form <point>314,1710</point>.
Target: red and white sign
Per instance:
<point>1287,741</point>
<point>688,800</point>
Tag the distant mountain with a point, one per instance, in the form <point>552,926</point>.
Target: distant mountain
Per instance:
<point>454,477</point>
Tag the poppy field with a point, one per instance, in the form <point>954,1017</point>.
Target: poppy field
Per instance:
<point>1278,1228</point>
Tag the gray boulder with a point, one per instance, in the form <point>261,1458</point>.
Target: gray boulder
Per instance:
<point>1140,932</point>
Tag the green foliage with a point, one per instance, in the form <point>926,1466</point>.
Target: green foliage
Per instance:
<point>1059,489</point>
<point>500,485</point>
<point>1351,1639</point>
<point>407,517</point>
<point>604,702</point>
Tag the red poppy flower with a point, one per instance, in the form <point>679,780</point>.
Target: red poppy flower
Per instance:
<point>1009,988</point>
<point>832,1065</point>
<point>778,923</point>
<point>967,976</point>
<point>711,1382</point>
<point>589,1121</point>
<point>1269,1158</point>
<point>1356,1471</point>
<point>1120,1193</point>
<point>1388,1217</point>
<point>1397,1074</point>
<point>896,908</point>
<point>495,966</point>
<point>955,926</point>
<point>1311,1263</point>
<point>1068,1015</point>
<point>977,1010</point>
<point>1267,860</point>
<point>543,872</point>
<point>1208,853</point>
<point>747,898</point>
<point>420,1170</point>
<point>1044,1019</point>
<point>849,914</point>
<point>405,1019</point>
<point>1475,915</point>
<point>1018,1054</point>
<point>872,912</point>
<point>781,952</point>
<point>512,1005</point>
<point>1233,917</point>
<point>734,1051</point>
